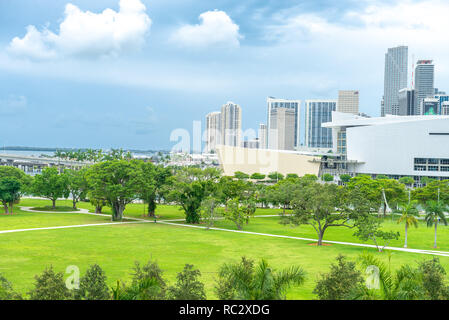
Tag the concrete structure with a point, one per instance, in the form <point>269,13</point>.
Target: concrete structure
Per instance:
<point>262,134</point>
<point>424,83</point>
<point>252,144</point>
<point>293,105</point>
<point>266,161</point>
<point>445,108</point>
<point>395,78</point>
<point>318,112</point>
<point>231,124</point>
<point>348,101</point>
<point>396,146</point>
<point>282,129</point>
<point>213,131</point>
<point>442,97</point>
<point>406,102</point>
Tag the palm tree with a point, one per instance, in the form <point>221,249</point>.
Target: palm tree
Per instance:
<point>435,212</point>
<point>409,212</point>
<point>261,282</point>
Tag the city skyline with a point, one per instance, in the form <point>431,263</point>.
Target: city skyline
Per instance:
<point>126,91</point>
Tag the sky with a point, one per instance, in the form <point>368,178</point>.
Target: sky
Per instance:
<point>127,73</point>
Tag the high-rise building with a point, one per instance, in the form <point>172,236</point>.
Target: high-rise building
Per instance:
<point>406,102</point>
<point>424,82</point>
<point>262,135</point>
<point>430,106</point>
<point>395,78</point>
<point>294,105</point>
<point>213,131</point>
<point>231,124</point>
<point>348,101</point>
<point>318,112</point>
<point>442,97</point>
<point>282,129</point>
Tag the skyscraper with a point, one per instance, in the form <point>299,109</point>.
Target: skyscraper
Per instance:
<point>395,78</point>
<point>294,105</point>
<point>262,136</point>
<point>231,124</point>
<point>424,82</point>
<point>318,112</point>
<point>282,129</point>
<point>406,102</point>
<point>348,101</point>
<point>213,130</point>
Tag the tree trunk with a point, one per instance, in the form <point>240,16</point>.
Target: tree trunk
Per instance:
<point>320,237</point>
<point>283,211</point>
<point>151,205</point>
<point>435,242</point>
<point>54,203</point>
<point>98,208</point>
<point>405,244</point>
<point>117,212</point>
<point>6,207</point>
<point>74,204</point>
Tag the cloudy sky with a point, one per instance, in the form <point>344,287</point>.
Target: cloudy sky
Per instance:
<point>125,73</point>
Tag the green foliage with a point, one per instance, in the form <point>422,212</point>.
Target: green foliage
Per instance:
<point>381,177</point>
<point>9,192</point>
<point>345,178</point>
<point>369,228</point>
<point>209,211</point>
<point>187,286</point>
<point>51,184</point>
<point>276,176</point>
<point>340,282</point>
<point>93,285</point>
<point>434,214</point>
<point>257,176</point>
<point>327,177</point>
<point>154,178</point>
<point>291,176</point>
<point>77,184</point>
<point>435,190</point>
<point>150,272</point>
<point>50,286</point>
<point>432,274</point>
<point>239,211</point>
<point>189,187</point>
<point>241,175</point>
<point>116,181</point>
<point>245,281</point>
<point>283,192</point>
<point>6,290</point>
<point>408,181</point>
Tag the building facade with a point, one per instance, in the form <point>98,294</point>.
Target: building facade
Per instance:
<point>318,112</point>
<point>282,129</point>
<point>348,101</point>
<point>395,78</point>
<point>231,124</point>
<point>424,83</point>
<point>406,102</point>
<point>430,106</point>
<point>262,134</point>
<point>213,131</point>
<point>293,105</point>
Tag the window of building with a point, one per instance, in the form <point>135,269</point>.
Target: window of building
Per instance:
<point>433,161</point>
<point>433,168</point>
<point>420,160</point>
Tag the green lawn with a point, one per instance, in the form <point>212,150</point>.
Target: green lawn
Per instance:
<point>116,247</point>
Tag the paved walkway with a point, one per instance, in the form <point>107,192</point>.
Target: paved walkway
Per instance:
<point>173,223</point>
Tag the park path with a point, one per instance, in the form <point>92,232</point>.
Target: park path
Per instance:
<point>174,222</point>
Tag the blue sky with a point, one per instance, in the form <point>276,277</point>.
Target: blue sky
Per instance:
<point>127,77</point>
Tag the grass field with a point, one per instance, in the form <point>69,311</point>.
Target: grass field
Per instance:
<point>116,247</point>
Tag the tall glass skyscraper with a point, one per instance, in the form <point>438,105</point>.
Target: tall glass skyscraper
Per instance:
<point>396,65</point>
<point>318,112</point>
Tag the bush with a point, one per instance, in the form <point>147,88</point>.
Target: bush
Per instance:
<point>6,290</point>
<point>93,285</point>
<point>341,281</point>
<point>50,286</point>
<point>187,286</point>
<point>150,271</point>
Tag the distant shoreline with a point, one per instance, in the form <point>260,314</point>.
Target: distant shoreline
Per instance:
<point>44,149</point>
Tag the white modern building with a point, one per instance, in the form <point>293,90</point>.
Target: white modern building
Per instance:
<point>213,131</point>
<point>231,124</point>
<point>348,101</point>
<point>424,83</point>
<point>415,146</point>
<point>262,134</point>
<point>292,107</point>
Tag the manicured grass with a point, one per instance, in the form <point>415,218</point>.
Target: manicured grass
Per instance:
<point>116,247</point>
<point>55,209</point>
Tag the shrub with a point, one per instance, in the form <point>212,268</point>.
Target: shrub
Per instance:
<point>187,286</point>
<point>50,286</point>
<point>93,285</point>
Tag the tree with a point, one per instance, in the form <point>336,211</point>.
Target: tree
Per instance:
<point>434,213</point>
<point>229,188</point>
<point>239,212</point>
<point>320,206</point>
<point>433,275</point>
<point>50,286</point>
<point>257,176</point>
<point>9,192</point>
<point>283,192</point>
<point>340,282</point>
<point>209,211</point>
<point>150,273</point>
<point>292,176</point>
<point>245,281</point>
<point>241,175</point>
<point>369,228</point>
<point>187,286</point>
<point>6,290</point>
<point>408,212</point>
<point>116,181</point>
<point>407,181</point>
<point>189,187</point>
<point>93,285</point>
<point>327,177</point>
<point>51,184</point>
<point>345,178</point>
<point>435,190</point>
<point>276,176</point>
<point>154,178</point>
<point>76,184</point>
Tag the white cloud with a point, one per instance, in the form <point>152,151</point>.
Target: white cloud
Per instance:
<point>83,33</point>
<point>216,29</point>
<point>12,105</point>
